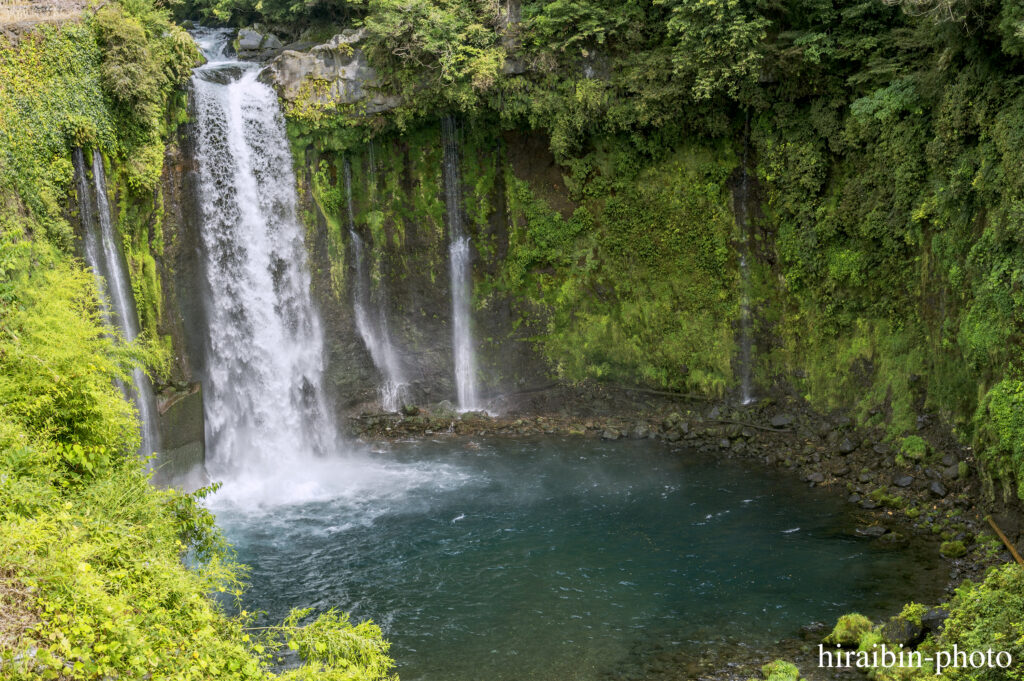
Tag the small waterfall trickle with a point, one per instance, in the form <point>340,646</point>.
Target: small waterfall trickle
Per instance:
<point>103,254</point>
<point>371,160</point>
<point>373,328</point>
<point>266,406</point>
<point>746,359</point>
<point>460,271</point>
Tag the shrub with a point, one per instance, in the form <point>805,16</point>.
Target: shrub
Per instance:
<point>986,615</point>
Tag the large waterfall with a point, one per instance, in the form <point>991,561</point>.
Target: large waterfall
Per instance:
<point>461,271</point>
<point>373,328</point>
<point>266,409</point>
<point>103,255</point>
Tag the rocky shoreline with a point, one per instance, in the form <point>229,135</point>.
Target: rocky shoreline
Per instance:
<point>924,488</point>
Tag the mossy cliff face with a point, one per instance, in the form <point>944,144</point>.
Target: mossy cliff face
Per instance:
<point>881,263</point>
<point>620,270</point>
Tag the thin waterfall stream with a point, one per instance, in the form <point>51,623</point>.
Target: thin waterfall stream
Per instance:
<point>103,255</point>
<point>461,272</point>
<point>746,359</point>
<point>372,321</point>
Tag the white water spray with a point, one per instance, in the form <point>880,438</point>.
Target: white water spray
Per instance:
<point>103,254</point>
<point>461,271</point>
<point>267,414</point>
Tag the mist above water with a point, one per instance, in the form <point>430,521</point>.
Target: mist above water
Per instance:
<point>553,558</point>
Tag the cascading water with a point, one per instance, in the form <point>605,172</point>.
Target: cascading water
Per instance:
<point>104,256</point>
<point>746,318</point>
<point>374,332</point>
<point>266,408</point>
<point>460,271</point>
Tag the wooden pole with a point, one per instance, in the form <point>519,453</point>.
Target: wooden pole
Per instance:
<point>1013,551</point>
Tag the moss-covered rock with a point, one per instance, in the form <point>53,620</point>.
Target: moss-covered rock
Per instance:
<point>848,630</point>
<point>780,670</point>
<point>952,549</point>
<point>914,447</point>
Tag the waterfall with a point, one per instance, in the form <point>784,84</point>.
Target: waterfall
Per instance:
<point>374,332</point>
<point>103,255</point>
<point>266,406</point>
<point>460,271</point>
<point>746,318</point>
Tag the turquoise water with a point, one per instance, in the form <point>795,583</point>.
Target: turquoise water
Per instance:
<point>558,558</point>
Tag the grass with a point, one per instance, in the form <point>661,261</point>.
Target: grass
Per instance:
<point>22,13</point>
<point>16,614</point>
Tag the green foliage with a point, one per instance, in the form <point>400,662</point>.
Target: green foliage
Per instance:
<point>129,73</point>
<point>849,630</point>
<point>999,437</point>
<point>336,649</point>
<point>305,15</point>
<point>780,670</point>
<point>913,612</point>
<point>57,361</point>
<point>986,616</point>
<point>914,447</point>
<point>633,285</point>
<point>51,97</point>
<point>117,574</point>
<point>716,45</point>
<point>448,46</point>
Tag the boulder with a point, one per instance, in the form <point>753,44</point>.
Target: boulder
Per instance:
<point>937,489</point>
<point>816,478</point>
<point>181,461</point>
<point>848,630</point>
<point>329,75</point>
<point>443,410</point>
<point>873,531</point>
<point>934,619</point>
<point>952,549</point>
<point>901,631</point>
<point>781,420</point>
<point>903,480</point>
<point>640,431</point>
<point>252,44</point>
<point>847,446</point>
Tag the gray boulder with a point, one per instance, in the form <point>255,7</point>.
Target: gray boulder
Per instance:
<point>251,44</point>
<point>900,631</point>
<point>329,75</point>
<point>934,619</point>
